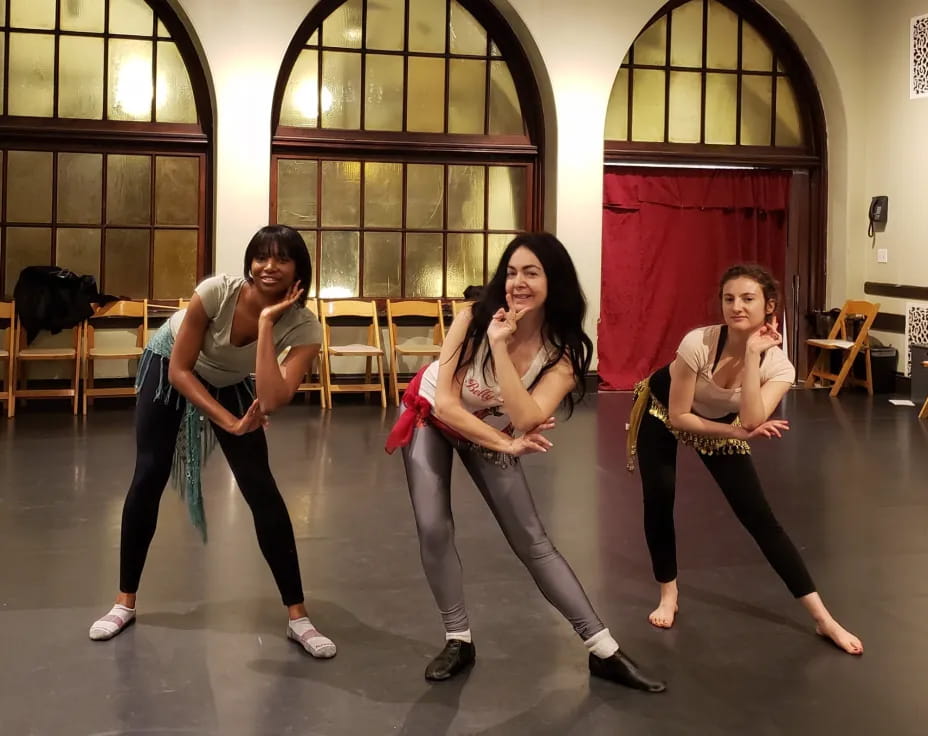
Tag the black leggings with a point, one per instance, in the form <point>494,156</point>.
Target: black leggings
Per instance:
<point>156,427</point>
<point>736,476</point>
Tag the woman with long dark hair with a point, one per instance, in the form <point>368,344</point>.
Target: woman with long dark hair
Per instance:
<point>195,374</point>
<point>719,392</point>
<point>505,367</point>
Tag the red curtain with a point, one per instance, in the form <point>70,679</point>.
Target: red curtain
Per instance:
<point>667,237</point>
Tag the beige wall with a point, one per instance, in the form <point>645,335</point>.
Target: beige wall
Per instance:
<point>896,159</point>
<point>576,49</point>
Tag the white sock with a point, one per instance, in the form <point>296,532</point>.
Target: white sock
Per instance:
<point>602,644</point>
<point>116,619</point>
<point>302,631</point>
<point>459,635</point>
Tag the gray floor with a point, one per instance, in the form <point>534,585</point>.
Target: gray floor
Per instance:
<point>208,655</point>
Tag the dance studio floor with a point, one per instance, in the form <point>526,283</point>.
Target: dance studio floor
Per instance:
<point>208,653</point>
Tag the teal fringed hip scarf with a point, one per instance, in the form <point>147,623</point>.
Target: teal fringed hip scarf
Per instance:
<point>195,439</point>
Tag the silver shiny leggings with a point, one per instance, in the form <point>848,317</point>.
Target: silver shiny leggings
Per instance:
<point>428,472</point>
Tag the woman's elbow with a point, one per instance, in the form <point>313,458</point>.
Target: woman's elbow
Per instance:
<point>676,420</point>
<point>524,425</point>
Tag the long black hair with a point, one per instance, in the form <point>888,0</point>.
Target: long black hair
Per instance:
<point>286,242</point>
<point>565,308</point>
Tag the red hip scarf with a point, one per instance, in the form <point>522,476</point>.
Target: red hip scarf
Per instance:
<point>417,413</point>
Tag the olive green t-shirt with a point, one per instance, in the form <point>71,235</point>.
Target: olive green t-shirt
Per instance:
<point>221,363</point>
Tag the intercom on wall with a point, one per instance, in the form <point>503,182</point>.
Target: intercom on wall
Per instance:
<point>878,211</point>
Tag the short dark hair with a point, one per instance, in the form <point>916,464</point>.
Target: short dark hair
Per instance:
<point>284,241</point>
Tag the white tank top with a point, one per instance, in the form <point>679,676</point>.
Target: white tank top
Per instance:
<point>480,393</point>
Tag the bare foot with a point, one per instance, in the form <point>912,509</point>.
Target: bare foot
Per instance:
<point>842,638</point>
<point>662,616</point>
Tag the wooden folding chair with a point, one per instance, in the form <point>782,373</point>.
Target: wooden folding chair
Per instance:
<point>837,340</point>
<point>124,310</point>
<point>412,313</point>
<point>315,369</point>
<point>458,306</point>
<point>7,323</point>
<point>356,313</point>
<point>923,414</point>
<point>22,353</point>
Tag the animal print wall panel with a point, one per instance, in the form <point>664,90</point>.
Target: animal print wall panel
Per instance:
<point>919,58</point>
<point>916,329</point>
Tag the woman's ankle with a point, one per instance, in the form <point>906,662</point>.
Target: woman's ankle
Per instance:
<point>126,599</point>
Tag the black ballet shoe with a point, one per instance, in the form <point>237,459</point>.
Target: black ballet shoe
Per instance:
<point>619,668</point>
<point>456,657</point>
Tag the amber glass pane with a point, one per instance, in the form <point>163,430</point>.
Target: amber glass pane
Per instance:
<point>383,256</point>
<point>383,101</point>
<point>756,92</point>
<point>342,27</point>
<point>496,244</point>
<point>685,104</point>
<point>129,83</point>
<point>82,15</point>
<point>29,186</point>
<point>162,31</point>
<point>78,249</point>
<point>467,35</point>
<point>385,25</point>
<point>506,198</point>
<point>721,108</point>
<point>425,95</point>
<point>296,192</point>
<point>2,55</point>
<point>310,238</point>
<point>505,109</point>
<point>300,104</point>
<point>494,49</point>
<point>648,105</point>
<point>314,39</point>
<point>466,197</point>
<point>174,92</point>
<point>651,46</point>
<point>175,263</point>
<point>80,77</point>
<point>722,37</point>
<point>126,263</point>
<point>128,190</point>
<point>789,124</point>
<point>339,268</point>
<point>131,17</point>
<point>32,14</point>
<point>26,246</point>
<point>617,112</point>
<point>32,75</point>
<point>341,193</point>
<point>341,90</point>
<point>464,262</point>
<point>383,194</point>
<point>686,35</point>
<point>80,188</point>
<point>423,264</point>
<point>467,99</point>
<point>427,25</point>
<point>425,194</point>
<point>755,53</point>
<point>177,190</point>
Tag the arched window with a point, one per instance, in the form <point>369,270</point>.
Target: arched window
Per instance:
<point>404,150</point>
<point>105,142</point>
<point>702,73</point>
<point>720,82</point>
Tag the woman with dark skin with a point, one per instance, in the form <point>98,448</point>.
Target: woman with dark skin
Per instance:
<point>196,369</point>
